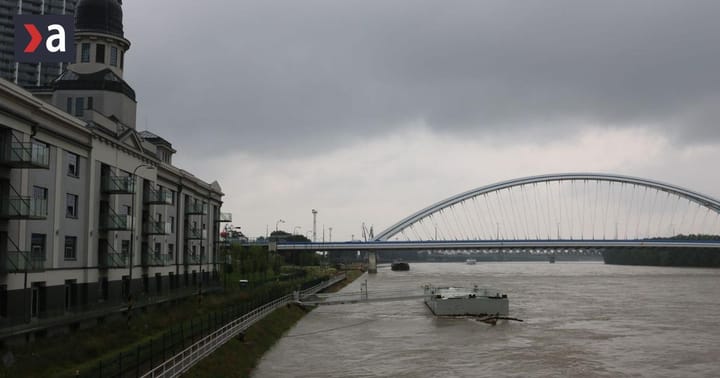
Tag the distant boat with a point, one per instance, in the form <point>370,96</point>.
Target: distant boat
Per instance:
<point>470,261</point>
<point>400,265</point>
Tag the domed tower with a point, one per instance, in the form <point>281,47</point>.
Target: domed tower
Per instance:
<point>93,86</point>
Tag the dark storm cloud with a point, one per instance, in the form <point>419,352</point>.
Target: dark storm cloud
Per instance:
<point>293,75</point>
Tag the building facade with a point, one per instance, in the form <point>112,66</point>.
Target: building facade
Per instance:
<point>28,74</point>
<point>92,212</point>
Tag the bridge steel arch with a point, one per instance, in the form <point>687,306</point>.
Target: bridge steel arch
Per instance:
<point>701,199</point>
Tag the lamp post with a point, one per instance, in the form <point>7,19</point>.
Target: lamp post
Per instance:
<point>278,223</point>
<point>132,232</point>
<point>295,229</point>
<point>330,230</point>
<point>314,213</point>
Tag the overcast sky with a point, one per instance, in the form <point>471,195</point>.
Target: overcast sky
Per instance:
<point>371,110</point>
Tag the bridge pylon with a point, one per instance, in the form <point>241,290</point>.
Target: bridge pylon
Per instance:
<point>372,261</point>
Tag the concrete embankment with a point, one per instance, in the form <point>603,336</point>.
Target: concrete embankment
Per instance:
<point>239,356</point>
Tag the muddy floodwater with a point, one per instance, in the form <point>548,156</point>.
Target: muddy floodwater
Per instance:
<point>580,320</point>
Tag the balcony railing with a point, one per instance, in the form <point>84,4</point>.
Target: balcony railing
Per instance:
<point>195,208</point>
<point>118,184</point>
<point>195,259</point>
<point>23,207</point>
<point>195,234</point>
<point>225,217</point>
<point>158,197</point>
<point>115,222</point>
<point>108,257</point>
<point>150,258</point>
<point>157,228</point>
<point>25,155</point>
<point>21,261</point>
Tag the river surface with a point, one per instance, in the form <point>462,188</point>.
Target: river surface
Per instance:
<point>580,320</point>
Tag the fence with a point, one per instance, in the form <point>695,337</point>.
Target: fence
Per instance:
<point>200,335</point>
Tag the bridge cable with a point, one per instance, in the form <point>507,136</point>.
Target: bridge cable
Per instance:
<point>517,222</point>
<point>537,212</point>
<point>494,218</point>
<point>640,213</point>
<point>468,213</point>
<point>461,229</point>
<point>607,208</point>
<point>481,218</point>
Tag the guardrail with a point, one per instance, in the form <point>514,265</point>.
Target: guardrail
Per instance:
<point>190,356</point>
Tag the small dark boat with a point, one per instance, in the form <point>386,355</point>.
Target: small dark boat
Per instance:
<point>399,265</point>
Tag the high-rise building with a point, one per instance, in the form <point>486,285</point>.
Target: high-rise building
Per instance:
<point>28,75</point>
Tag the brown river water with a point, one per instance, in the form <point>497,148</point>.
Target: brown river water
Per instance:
<point>580,320</point>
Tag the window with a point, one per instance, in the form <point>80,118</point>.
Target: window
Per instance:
<point>128,209</point>
<point>37,246</point>
<point>125,247</point>
<point>122,59</point>
<point>40,193</point>
<point>85,53</point>
<point>171,251</point>
<point>158,249</point>
<point>100,53</point>
<point>172,225</point>
<point>69,105</point>
<point>113,56</point>
<point>91,102</point>
<point>73,165</point>
<point>172,197</point>
<point>80,106</point>
<point>72,206</point>
<point>70,248</point>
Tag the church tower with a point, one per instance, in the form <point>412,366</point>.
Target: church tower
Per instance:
<point>93,87</point>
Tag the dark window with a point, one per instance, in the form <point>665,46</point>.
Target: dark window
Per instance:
<point>172,225</point>
<point>91,102</point>
<point>158,282</point>
<point>72,206</point>
<point>73,165</point>
<point>40,193</point>
<point>171,251</point>
<point>37,246</point>
<point>85,53</point>
<point>69,105</point>
<point>158,249</point>
<point>125,247</point>
<point>80,106</point>
<point>70,248</point>
<point>3,301</point>
<point>100,53</point>
<point>113,56</point>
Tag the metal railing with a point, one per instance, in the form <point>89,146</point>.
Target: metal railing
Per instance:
<point>112,221</point>
<point>118,184</point>
<point>190,356</point>
<point>110,258</point>
<point>150,258</point>
<point>21,261</point>
<point>153,227</point>
<point>158,197</point>
<point>23,207</point>
<point>25,154</point>
<point>194,259</point>
<point>196,208</point>
<point>195,234</point>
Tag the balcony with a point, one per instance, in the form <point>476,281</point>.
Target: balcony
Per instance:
<point>225,217</point>
<point>118,185</point>
<point>25,155</point>
<point>150,258</point>
<point>158,197</point>
<point>195,234</point>
<point>16,262</point>
<point>115,222</point>
<point>194,208</point>
<point>112,260</point>
<point>191,259</point>
<point>23,207</point>
<point>157,228</point>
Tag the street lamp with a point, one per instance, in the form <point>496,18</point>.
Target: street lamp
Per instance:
<point>277,223</point>
<point>132,231</point>
<point>314,213</point>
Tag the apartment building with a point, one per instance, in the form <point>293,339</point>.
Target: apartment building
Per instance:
<point>92,211</point>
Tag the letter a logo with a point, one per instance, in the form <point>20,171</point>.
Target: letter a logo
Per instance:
<point>56,31</point>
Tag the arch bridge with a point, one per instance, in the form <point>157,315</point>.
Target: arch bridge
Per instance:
<point>568,210</point>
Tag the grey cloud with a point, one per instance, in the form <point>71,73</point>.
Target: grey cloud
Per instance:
<point>290,76</point>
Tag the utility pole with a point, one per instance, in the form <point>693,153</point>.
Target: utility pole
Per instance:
<point>330,229</point>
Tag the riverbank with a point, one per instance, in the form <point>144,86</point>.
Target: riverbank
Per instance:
<point>238,357</point>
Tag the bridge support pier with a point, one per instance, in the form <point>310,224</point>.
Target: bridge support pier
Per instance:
<point>372,262</point>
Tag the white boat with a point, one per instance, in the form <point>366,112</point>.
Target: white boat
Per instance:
<point>470,261</point>
<point>461,301</point>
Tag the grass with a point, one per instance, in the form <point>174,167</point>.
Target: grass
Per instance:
<point>81,350</point>
<point>237,358</point>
